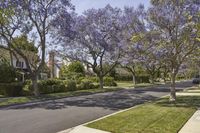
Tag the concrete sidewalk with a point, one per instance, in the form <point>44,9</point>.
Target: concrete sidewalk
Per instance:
<point>83,129</point>
<point>193,124</point>
<point>187,94</point>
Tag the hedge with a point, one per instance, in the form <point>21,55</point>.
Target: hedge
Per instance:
<point>87,84</point>
<point>108,81</point>
<point>139,79</point>
<point>11,89</point>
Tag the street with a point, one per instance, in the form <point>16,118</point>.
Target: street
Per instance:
<point>56,115</point>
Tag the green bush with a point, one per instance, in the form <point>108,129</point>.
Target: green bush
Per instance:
<point>11,89</point>
<point>51,86</point>
<point>73,71</point>
<point>8,74</point>
<point>71,85</point>
<point>76,67</point>
<point>139,79</point>
<point>123,77</point>
<point>109,81</point>
<point>142,79</point>
<point>27,88</point>
<point>93,79</point>
<point>86,84</point>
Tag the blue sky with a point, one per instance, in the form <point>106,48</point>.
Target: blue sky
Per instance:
<point>82,5</point>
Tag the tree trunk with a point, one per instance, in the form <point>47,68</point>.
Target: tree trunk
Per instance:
<point>165,81</point>
<point>173,89</point>
<point>152,78</point>
<point>134,81</point>
<point>101,82</point>
<point>35,86</point>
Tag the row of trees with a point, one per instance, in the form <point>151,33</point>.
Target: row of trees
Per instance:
<point>162,37</point>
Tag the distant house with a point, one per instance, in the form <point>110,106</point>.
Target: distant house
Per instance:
<point>55,64</point>
<point>19,63</point>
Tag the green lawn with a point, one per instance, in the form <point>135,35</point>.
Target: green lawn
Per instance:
<point>18,100</point>
<point>157,117</point>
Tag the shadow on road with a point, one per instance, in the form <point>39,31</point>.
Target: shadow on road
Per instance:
<point>113,100</point>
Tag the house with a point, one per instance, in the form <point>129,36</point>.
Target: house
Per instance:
<point>19,63</point>
<point>55,64</point>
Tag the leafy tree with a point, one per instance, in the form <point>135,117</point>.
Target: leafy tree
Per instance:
<point>97,40</point>
<point>74,70</point>
<point>76,67</point>
<point>176,22</point>
<point>24,44</point>
<point>133,23</point>
<point>35,18</point>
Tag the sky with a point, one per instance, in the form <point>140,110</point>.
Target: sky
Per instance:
<point>82,5</point>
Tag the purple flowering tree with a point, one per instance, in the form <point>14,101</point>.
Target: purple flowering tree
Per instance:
<point>97,40</point>
<point>176,21</point>
<point>133,23</point>
<point>34,18</point>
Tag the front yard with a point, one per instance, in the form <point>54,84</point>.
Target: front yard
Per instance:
<point>156,117</point>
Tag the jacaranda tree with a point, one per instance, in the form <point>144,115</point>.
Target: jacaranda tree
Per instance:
<point>34,18</point>
<point>97,40</point>
<point>177,22</point>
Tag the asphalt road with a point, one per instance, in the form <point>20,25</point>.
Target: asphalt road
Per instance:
<point>56,115</point>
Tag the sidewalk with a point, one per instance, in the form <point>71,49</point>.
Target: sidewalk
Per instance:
<point>83,129</point>
<point>193,124</point>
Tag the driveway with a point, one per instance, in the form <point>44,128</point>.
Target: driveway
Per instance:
<point>56,115</point>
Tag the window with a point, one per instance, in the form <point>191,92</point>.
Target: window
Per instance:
<point>19,64</point>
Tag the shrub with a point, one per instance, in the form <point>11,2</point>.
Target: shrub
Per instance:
<point>76,67</point>
<point>27,88</point>
<point>11,89</point>
<point>94,79</point>
<point>73,71</point>
<point>142,79</point>
<point>86,84</point>
<point>109,81</point>
<point>51,86</point>
<point>71,85</point>
<point>8,74</point>
<point>123,77</point>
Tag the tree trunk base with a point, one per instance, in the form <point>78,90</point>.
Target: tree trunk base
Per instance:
<point>35,88</point>
<point>172,97</point>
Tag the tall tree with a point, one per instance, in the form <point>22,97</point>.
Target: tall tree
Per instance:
<point>133,23</point>
<point>32,17</point>
<point>176,21</point>
<point>97,40</point>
